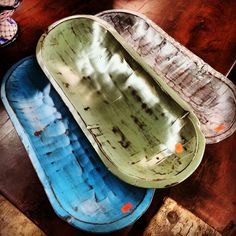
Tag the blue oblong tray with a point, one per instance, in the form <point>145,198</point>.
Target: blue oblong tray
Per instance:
<point>80,188</point>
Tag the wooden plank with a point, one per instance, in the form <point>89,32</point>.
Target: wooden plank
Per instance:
<point>6,128</point>
<point>172,219</point>
<point>3,115</point>
<point>13,222</point>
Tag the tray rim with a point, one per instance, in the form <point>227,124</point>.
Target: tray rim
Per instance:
<point>193,57</point>
<point>57,207</point>
<point>106,160</point>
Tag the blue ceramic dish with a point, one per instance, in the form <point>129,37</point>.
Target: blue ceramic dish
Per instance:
<point>80,188</point>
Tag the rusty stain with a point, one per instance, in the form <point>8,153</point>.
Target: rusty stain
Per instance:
<point>86,78</point>
<point>123,122</point>
<point>73,30</point>
<point>149,111</point>
<point>144,105</point>
<point>157,179</point>
<point>66,84</point>
<point>170,185</point>
<point>110,144</point>
<point>124,142</point>
<point>136,96</point>
<point>139,123</point>
<point>38,133</point>
<point>135,162</point>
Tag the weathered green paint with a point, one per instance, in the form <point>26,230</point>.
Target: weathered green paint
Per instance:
<point>131,117</point>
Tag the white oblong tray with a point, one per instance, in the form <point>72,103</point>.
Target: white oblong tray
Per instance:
<point>211,95</point>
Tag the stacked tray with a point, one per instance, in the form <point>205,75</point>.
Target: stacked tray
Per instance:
<point>112,110</point>
<point>211,95</point>
<point>133,119</point>
<point>80,188</point>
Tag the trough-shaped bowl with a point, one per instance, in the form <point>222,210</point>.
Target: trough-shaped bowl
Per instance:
<point>142,130</point>
<point>80,188</point>
<point>211,95</point>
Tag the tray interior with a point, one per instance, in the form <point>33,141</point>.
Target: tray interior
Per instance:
<point>73,175</point>
<point>211,95</point>
<point>125,112</point>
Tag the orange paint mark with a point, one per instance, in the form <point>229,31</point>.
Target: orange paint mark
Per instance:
<point>126,207</point>
<point>178,148</point>
<point>219,128</point>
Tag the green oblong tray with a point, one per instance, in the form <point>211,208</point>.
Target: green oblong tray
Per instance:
<point>141,129</point>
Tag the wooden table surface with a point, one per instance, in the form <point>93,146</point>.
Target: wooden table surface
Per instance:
<point>206,27</point>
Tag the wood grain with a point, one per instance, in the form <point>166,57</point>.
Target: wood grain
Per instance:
<point>208,28</point>
<point>13,222</point>
<point>210,193</point>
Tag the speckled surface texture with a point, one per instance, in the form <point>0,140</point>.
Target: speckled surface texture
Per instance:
<point>174,220</point>
<point>210,94</point>
<point>141,129</point>
<point>80,188</point>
